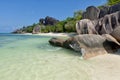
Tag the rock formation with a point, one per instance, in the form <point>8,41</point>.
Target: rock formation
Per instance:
<point>104,22</point>
<point>108,23</point>
<point>88,45</point>
<point>94,13</point>
<point>36,29</point>
<point>104,25</point>
<point>85,26</point>
<point>116,33</point>
<point>104,11</point>
<point>91,13</point>
<point>56,42</point>
<point>48,21</point>
<point>114,8</point>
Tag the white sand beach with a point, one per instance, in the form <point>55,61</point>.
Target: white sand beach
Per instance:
<point>105,67</point>
<point>55,34</point>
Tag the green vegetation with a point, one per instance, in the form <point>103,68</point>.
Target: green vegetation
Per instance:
<point>67,25</point>
<point>112,2</point>
<point>53,25</point>
<point>50,24</point>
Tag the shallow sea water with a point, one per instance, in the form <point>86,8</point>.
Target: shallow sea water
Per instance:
<point>30,57</point>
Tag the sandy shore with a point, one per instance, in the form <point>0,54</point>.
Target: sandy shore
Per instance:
<point>105,67</point>
<point>53,34</point>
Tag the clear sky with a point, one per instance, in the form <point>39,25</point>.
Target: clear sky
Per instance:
<point>18,13</point>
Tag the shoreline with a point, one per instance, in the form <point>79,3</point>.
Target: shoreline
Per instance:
<point>53,34</point>
<point>57,34</point>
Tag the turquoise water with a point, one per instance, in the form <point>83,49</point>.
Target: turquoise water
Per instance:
<point>30,57</point>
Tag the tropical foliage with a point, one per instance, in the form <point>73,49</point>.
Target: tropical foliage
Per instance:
<point>50,24</point>
<point>112,2</point>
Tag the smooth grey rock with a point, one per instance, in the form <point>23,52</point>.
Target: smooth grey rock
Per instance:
<point>116,33</point>
<point>56,42</point>
<point>114,8</point>
<point>104,11</point>
<point>108,23</point>
<point>36,29</point>
<point>89,45</point>
<point>85,26</point>
<point>91,13</point>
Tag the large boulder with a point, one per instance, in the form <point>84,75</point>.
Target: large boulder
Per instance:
<point>85,26</point>
<point>48,21</point>
<point>36,29</point>
<point>114,8</point>
<point>104,11</point>
<point>116,33</point>
<point>91,13</point>
<point>56,42</point>
<point>108,23</point>
<point>89,45</point>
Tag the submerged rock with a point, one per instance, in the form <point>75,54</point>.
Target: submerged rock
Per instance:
<point>56,42</point>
